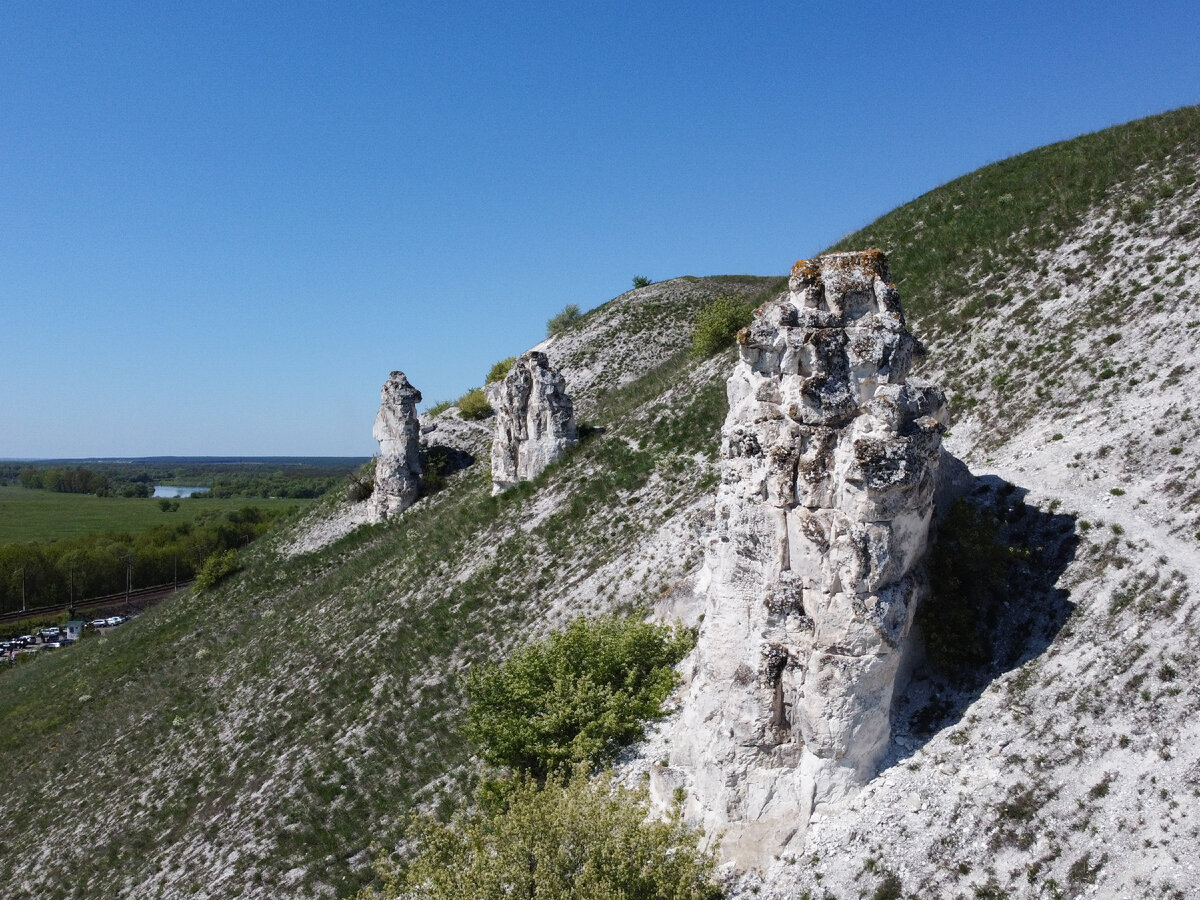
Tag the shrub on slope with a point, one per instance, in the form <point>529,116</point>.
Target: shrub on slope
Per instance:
<point>573,839</point>
<point>578,696</point>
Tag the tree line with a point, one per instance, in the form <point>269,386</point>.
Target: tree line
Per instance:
<point>84,481</point>
<point>33,575</point>
<point>122,481</point>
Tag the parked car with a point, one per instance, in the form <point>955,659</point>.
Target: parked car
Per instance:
<point>117,620</point>
<point>98,623</point>
<point>50,634</point>
<point>27,640</point>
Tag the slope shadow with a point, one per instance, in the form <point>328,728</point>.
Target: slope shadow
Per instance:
<point>1018,614</point>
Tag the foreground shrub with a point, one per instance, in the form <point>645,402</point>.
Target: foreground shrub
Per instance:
<point>578,696</point>
<point>500,369</point>
<point>473,405</point>
<point>564,320</point>
<point>640,281</point>
<point>216,569</point>
<point>573,839</point>
<point>718,323</point>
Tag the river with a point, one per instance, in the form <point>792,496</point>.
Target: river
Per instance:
<point>170,490</point>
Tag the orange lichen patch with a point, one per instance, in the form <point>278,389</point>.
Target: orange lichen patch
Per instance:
<point>872,261</point>
<point>808,269</point>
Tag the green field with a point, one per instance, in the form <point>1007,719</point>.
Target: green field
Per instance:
<point>27,515</point>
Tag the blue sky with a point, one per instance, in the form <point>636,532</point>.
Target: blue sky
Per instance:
<point>223,224</point>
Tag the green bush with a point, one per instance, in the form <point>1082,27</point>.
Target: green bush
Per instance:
<point>577,696</point>
<point>718,323</point>
<point>473,405</point>
<point>573,839</point>
<point>361,484</point>
<point>436,465</point>
<point>216,568</point>
<point>438,408</point>
<point>500,369</point>
<point>640,281</point>
<point>564,320</point>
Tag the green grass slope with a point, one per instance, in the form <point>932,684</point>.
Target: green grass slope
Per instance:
<point>257,740</point>
<point>1013,274</point>
<point>949,242</point>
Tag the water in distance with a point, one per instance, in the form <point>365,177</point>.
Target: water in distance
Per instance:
<point>170,490</point>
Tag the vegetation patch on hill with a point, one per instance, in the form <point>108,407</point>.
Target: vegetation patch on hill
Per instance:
<point>576,697</point>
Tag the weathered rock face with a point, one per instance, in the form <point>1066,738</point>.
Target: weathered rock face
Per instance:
<point>398,468</point>
<point>535,420</point>
<point>828,475</point>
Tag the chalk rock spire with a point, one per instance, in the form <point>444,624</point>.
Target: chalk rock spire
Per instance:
<point>398,468</point>
<point>828,469</point>
<point>535,420</point>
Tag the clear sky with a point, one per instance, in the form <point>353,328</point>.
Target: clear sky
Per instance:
<point>223,224</point>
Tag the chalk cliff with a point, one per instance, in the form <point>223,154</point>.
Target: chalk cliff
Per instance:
<point>398,468</point>
<point>535,420</point>
<point>828,466</point>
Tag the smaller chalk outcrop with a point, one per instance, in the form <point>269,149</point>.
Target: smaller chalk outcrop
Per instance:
<point>398,468</point>
<point>535,420</point>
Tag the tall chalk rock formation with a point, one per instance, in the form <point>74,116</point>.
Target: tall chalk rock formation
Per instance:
<point>535,420</point>
<point>829,463</point>
<point>398,468</point>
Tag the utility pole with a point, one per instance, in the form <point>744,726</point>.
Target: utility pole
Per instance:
<point>128,581</point>
<point>22,589</point>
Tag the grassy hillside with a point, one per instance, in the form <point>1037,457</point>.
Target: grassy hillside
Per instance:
<point>256,741</point>
<point>1015,274</point>
<point>950,243</point>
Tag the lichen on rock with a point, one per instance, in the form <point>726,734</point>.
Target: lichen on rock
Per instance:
<point>828,470</point>
<point>535,420</point>
<point>398,468</point>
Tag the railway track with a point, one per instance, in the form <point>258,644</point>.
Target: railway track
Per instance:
<point>137,600</point>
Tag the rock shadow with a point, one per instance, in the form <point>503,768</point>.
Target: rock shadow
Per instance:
<point>994,605</point>
<point>439,462</point>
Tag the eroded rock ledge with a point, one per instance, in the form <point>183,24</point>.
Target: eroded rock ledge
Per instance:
<point>535,420</point>
<point>829,463</point>
<point>398,468</point>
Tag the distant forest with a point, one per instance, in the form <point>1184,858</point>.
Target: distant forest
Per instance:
<point>33,575</point>
<point>44,574</point>
<point>249,477</point>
